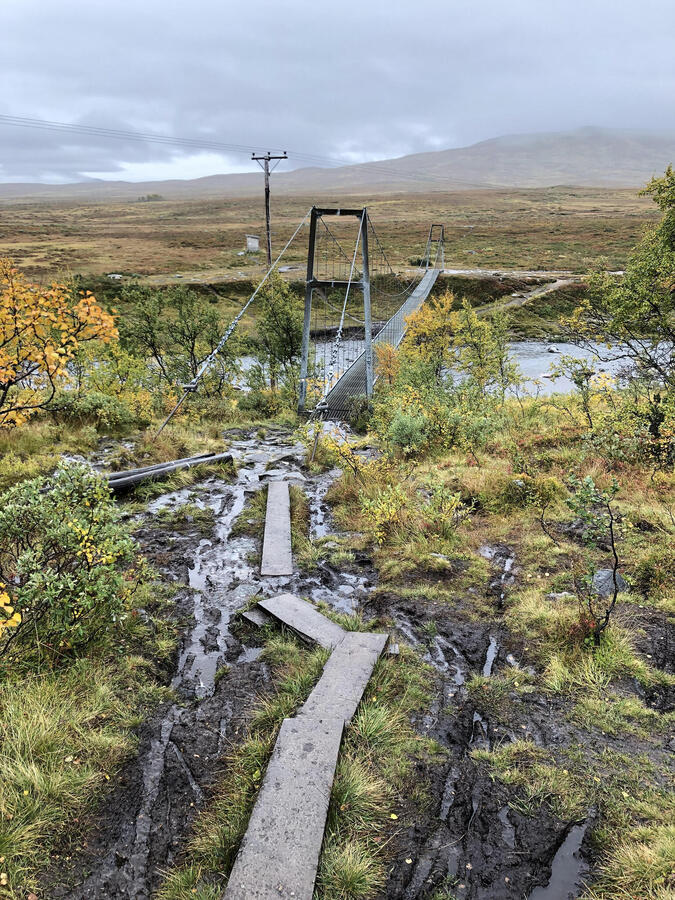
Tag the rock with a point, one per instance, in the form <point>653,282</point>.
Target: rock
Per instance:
<point>562,595</point>
<point>603,582</point>
<point>552,349</point>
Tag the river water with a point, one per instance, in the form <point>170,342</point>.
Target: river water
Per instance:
<point>534,358</point>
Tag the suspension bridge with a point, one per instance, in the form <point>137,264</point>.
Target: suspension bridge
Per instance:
<point>354,301</point>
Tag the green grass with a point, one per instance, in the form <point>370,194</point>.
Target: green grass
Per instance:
<point>64,735</point>
<point>634,839</point>
<point>613,714</point>
<point>187,515</point>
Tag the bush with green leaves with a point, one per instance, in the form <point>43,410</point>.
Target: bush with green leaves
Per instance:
<point>68,567</point>
<point>93,408</point>
<point>407,432</point>
<point>280,335</point>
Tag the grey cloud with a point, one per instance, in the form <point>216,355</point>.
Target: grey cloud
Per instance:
<point>360,77</point>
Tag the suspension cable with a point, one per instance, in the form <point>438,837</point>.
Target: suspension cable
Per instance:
<point>191,387</point>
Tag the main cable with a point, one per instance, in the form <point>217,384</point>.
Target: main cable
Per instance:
<point>191,387</point>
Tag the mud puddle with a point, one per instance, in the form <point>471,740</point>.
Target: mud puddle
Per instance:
<point>143,824</point>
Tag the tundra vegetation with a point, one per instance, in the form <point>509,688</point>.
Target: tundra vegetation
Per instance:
<point>579,487</point>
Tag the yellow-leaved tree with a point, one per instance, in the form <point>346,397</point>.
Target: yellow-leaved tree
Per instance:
<point>41,328</point>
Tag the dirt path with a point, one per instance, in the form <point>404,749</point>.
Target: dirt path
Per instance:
<point>471,838</point>
<point>144,823</point>
<point>521,298</point>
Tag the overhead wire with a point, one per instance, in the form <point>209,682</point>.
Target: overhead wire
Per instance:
<point>420,176</point>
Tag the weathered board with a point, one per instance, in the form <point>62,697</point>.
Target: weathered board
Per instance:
<point>257,616</point>
<point>277,556</point>
<point>345,676</point>
<point>279,854</point>
<point>303,618</point>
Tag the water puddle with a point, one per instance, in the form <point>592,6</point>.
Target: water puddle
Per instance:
<point>503,560</point>
<point>508,831</point>
<point>490,656</point>
<point>567,869</point>
<point>479,732</point>
<point>449,793</point>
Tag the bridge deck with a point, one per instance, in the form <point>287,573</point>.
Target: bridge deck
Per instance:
<point>352,382</point>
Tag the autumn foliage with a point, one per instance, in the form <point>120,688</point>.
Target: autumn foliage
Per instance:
<point>41,329</point>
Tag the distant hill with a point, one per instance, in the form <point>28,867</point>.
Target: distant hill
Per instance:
<point>591,157</point>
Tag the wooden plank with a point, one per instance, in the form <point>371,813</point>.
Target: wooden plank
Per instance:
<point>279,854</point>
<point>303,618</point>
<point>277,557</point>
<point>257,617</point>
<point>345,676</point>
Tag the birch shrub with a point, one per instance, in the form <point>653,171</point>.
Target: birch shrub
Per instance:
<point>67,567</point>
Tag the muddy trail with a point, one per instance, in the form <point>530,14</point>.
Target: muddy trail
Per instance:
<point>469,837</point>
<point>475,843</point>
<point>144,822</point>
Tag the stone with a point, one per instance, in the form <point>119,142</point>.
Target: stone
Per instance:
<point>603,582</point>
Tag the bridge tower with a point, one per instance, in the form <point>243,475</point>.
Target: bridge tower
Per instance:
<point>361,281</point>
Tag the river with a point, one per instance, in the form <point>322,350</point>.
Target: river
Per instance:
<point>534,358</point>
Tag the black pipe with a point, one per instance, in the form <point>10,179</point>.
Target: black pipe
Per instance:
<point>123,482</point>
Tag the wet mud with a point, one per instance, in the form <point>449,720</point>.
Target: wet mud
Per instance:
<point>470,841</point>
<point>144,823</point>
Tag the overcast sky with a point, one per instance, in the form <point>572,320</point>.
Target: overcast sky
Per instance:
<point>354,80</point>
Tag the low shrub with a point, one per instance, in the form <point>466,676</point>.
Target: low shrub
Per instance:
<point>67,567</point>
<point>407,433</point>
<point>94,408</point>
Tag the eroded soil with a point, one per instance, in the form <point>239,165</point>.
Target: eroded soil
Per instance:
<point>469,839</point>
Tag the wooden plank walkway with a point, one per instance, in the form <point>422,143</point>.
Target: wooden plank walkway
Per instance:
<point>279,854</point>
<point>280,851</point>
<point>277,557</point>
<point>304,619</point>
<point>345,676</point>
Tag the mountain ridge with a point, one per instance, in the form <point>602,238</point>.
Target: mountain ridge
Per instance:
<point>585,157</point>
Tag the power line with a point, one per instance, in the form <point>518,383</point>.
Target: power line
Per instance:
<point>420,175</point>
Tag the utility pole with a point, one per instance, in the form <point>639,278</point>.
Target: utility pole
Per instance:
<point>265,166</point>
